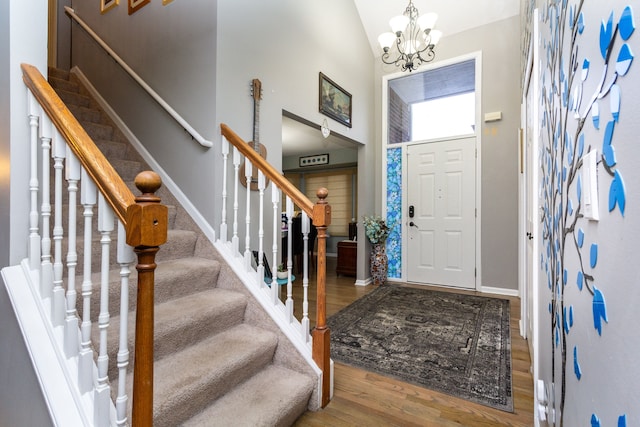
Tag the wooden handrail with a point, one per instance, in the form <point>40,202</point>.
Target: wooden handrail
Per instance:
<point>115,191</point>
<point>145,221</point>
<point>269,171</point>
<point>320,212</point>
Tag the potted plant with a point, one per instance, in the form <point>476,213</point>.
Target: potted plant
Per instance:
<point>282,272</point>
<point>377,231</point>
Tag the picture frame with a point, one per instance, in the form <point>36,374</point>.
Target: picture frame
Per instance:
<point>135,5</point>
<point>107,5</point>
<point>315,160</point>
<point>334,101</point>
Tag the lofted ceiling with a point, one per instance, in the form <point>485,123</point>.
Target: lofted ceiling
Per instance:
<point>300,139</point>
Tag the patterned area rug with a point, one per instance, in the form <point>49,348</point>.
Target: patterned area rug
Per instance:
<point>452,343</point>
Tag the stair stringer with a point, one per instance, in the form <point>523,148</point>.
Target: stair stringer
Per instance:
<point>291,351</point>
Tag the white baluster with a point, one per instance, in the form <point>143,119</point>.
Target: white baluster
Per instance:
<point>88,198</point>
<point>59,151</point>
<point>261,185</point>
<point>289,203</point>
<point>102,391</point>
<point>125,258</point>
<point>34,237</point>
<point>275,200</point>
<point>235,240</point>
<point>248,172</point>
<point>225,161</point>
<point>71,340</point>
<point>46,268</point>
<point>305,278</point>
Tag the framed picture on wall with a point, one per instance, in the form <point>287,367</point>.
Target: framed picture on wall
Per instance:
<point>335,102</point>
<point>135,5</point>
<point>106,5</point>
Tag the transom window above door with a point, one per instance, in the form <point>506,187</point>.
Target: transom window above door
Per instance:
<point>434,104</point>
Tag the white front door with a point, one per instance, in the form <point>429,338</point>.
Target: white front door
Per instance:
<point>441,209</point>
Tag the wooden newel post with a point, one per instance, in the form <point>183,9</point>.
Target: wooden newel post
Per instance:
<point>321,334</point>
<point>146,231</point>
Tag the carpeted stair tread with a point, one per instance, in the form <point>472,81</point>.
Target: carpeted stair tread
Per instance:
<point>85,114</point>
<point>199,273</point>
<point>65,84</point>
<point>74,98</point>
<point>274,397</point>
<point>181,322</point>
<point>98,131</point>
<point>180,244</point>
<point>216,365</point>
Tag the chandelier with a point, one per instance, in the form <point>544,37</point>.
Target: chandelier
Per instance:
<point>414,38</point>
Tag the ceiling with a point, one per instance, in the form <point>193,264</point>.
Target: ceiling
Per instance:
<point>300,138</point>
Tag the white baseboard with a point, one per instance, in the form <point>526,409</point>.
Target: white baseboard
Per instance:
<point>500,291</point>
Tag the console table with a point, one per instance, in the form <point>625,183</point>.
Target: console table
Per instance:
<point>347,257</point>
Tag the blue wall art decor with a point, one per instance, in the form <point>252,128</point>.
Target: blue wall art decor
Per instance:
<point>394,211</point>
<point>578,92</point>
<point>581,106</point>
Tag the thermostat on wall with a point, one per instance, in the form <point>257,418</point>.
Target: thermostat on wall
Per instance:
<point>493,117</point>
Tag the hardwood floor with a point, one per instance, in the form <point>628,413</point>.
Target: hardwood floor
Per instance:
<point>363,398</point>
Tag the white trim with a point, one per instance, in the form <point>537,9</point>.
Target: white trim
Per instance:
<point>276,312</point>
<point>365,282</point>
<point>166,179</point>
<point>65,404</point>
<point>499,291</point>
<point>477,57</point>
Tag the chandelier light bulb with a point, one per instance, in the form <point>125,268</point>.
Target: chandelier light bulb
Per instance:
<point>398,24</point>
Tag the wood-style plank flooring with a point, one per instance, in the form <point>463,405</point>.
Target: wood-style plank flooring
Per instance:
<point>364,398</point>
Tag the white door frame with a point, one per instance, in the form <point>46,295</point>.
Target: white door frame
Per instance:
<point>529,199</point>
<point>477,56</point>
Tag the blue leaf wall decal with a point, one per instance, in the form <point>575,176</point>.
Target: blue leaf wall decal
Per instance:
<point>622,421</point>
<point>565,275</point>
<point>580,280</point>
<point>580,23</point>
<point>595,421</point>
<point>614,101</point>
<point>580,237</point>
<point>617,193</point>
<point>565,321</point>
<point>570,207</point>
<point>571,316</point>
<point>626,25</point>
<point>595,115</point>
<point>599,310</point>
<point>576,365</point>
<point>607,149</point>
<point>606,31</point>
<point>579,189</point>
<point>580,145</point>
<point>585,70</point>
<point>625,58</point>
<point>593,255</point>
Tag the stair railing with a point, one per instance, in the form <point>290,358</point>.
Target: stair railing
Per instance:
<point>173,113</point>
<point>56,136</point>
<point>320,212</point>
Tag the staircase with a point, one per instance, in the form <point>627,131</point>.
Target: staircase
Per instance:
<point>219,358</point>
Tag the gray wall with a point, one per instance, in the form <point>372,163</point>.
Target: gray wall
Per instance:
<point>23,38</point>
<point>21,399</point>
<point>499,143</point>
